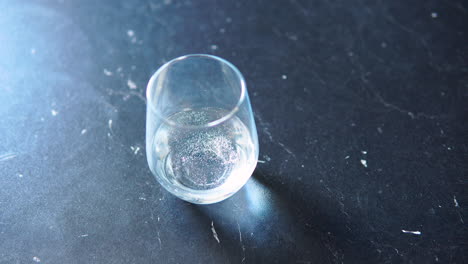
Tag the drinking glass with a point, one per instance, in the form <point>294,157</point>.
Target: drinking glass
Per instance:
<point>201,139</point>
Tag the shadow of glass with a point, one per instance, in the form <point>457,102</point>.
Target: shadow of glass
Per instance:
<point>269,222</point>
<point>257,217</point>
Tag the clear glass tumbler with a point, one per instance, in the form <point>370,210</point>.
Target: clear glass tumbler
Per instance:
<point>201,139</point>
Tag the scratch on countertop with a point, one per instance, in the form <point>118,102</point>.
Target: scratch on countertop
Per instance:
<point>7,156</point>
<point>159,239</point>
<point>394,107</point>
<point>109,123</point>
<point>300,8</point>
<point>411,232</point>
<point>135,149</point>
<point>264,127</point>
<point>455,201</point>
<point>242,244</point>
<point>364,163</point>
<point>398,252</point>
<point>391,106</point>
<point>131,84</point>
<point>36,259</point>
<point>107,72</point>
<point>461,218</point>
<point>292,37</point>
<point>215,235</point>
<point>287,149</point>
<point>84,235</point>
<point>420,38</point>
<point>266,131</point>
<point>127,94</point>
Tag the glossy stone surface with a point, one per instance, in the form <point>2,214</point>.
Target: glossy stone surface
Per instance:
<point>361,109</point>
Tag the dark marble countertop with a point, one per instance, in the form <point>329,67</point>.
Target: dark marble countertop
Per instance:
<point>361,109</point>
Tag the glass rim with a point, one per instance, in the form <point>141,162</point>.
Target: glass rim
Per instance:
<point>213,123</point>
